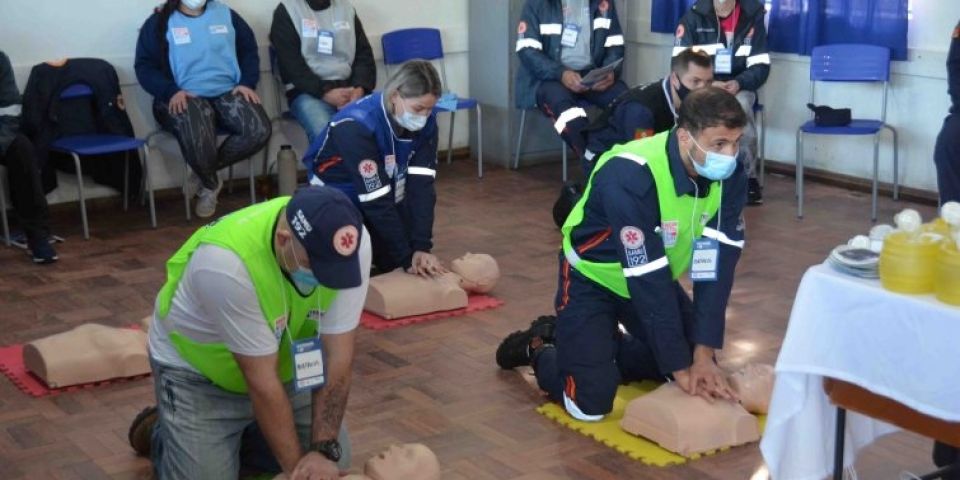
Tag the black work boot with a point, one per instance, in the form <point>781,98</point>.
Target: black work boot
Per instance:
<point>517,349</point>
<point>140,434</point>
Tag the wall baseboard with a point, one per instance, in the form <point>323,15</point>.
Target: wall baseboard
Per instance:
<point>849,182</point>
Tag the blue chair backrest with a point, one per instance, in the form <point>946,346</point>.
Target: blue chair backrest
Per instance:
<point>76,90</point>
<point>850,62</point>
<point>407,44</point>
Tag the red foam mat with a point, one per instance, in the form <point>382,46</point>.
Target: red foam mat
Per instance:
<point>11,365</point>
<point>475,303</point>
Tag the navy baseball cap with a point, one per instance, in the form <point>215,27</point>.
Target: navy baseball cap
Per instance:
<point>328,226</point>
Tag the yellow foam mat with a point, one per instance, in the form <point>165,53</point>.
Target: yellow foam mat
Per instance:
<point>609,433</point>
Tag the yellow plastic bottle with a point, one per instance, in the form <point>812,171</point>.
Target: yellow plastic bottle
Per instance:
<point>948,274</point>
<point>938,226</point>
<point>908,262</point>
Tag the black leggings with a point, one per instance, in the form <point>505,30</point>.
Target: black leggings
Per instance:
<point>196,130</point>
<point>26,192</point>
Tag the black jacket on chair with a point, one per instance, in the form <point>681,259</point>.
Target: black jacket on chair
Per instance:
<point>46,117</point>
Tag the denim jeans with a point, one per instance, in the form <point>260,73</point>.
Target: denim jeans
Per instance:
<point>312,113</point>
<point>204,431</point>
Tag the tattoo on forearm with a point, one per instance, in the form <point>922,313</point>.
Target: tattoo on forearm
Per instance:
<point>329,405</point>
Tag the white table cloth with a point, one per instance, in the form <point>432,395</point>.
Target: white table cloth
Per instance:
<point>905,347</point>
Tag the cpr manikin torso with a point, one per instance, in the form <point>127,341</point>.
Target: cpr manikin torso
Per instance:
<point>88,353</point>
<point>754,384</point>
<point>408,461</point>
<point>399,294</point>
<point>688,424</point>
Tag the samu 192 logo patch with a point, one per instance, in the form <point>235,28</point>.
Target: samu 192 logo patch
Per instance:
<point>632,240</point>
<point>370,174</point>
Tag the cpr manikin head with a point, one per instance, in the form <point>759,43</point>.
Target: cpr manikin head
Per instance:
<point>754,384</point>
<point>710,125</point>
<point>690,70</point>
<point>404,462</point>
<point>478,272</point>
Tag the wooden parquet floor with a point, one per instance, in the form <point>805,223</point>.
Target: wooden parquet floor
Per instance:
<point>435,383</point>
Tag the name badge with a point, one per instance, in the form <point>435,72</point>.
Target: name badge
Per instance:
<point>325,42</point>
<point>570,33</point>
<point>706,252</point>
<point>219,30</point>
<point>308,364</point>
<point>723,62</point>
<point>308,28</point>
<point>401,187</point>
<point>181,35</point>
<point>390,162</point>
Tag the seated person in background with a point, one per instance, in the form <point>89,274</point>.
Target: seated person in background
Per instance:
<point>23,173</point>
<point>324,58</point>
<point>733,32</point>
<point>382,152</point>
<point>652,209</point>
<point>557,42</point>
<point>199,60</point>
<point>650,109</point>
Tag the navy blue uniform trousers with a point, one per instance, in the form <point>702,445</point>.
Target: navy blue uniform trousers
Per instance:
<point>946,155</point>
<point>564,108</point>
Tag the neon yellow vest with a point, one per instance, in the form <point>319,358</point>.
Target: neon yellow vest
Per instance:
<point>676,214</point>
<point>249,234</point>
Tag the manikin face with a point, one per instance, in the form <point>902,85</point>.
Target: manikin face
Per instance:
<point>478,272</point>
<point>404,462</point>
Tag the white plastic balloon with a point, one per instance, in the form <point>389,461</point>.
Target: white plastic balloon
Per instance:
<point>860,241</point>
<point>908,220</point>
<point>879,232</point>
<point>950,213</point>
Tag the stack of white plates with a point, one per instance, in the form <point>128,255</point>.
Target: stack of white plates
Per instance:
<point>859,262</point>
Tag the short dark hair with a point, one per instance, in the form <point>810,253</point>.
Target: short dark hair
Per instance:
<point>711,107</point>
<point>680,62</point>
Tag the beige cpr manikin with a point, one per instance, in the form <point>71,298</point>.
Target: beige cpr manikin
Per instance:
<point>754,384</point>
<point>399,294</point>
<point>687,424</point>
<point>88,353</point>
<point>408,461</point>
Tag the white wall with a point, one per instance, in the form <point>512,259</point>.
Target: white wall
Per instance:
<point>33,31</point>
<point>917,103</point>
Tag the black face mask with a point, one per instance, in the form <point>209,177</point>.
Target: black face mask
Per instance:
<point>682,90</point>
<point>319,4</point>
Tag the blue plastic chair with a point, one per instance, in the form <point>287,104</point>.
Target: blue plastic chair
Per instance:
<point>78,145</point>
<point>851,63</point>
<point>563,144</point>
<point>425,44</point>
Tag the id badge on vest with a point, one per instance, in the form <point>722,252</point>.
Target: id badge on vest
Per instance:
<point>309,372</point>
<point>723,62</point>
<point>308,28</point>
<point>570,33</point>
<point>706,254</point>
<point>181,35</point>
<point>325,42</point>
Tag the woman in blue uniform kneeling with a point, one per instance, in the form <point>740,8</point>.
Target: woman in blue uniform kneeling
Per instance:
<point>382,152</point>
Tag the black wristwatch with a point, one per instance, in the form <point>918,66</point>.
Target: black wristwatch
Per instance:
<point>327,448</point>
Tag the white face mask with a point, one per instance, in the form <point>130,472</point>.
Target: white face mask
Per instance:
<point>410,120</point>
<point>194,4</point>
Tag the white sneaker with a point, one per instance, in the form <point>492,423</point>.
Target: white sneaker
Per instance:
<point>192,185</point>
<point>207,201</point>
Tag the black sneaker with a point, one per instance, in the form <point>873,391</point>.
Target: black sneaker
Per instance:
<point>517,349</point>
<point>140,434</point>
<point>754,192</point>
<point>42,253</point>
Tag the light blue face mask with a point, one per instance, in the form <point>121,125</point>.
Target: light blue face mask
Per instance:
<point>303,277</point>
<point>409,120</point>
<point>195,4</point>
<point>716,166</point>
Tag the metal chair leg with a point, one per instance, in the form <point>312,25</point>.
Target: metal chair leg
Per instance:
<point>453,116</point>
<point>253,183</point>
<point>564,176</point>
<point>479,142</point>
<point>186,199</point>
<point>876,177</point>
<point>148,186</point>
<point>230,179</point>
<point>126,180</point>
<point>763,153</point>
<point>516,156</point>
<point>838,444</point>
<point>83,199</point>
<point>896,164</point>
<point>3,214</point>
<point>799,174</point>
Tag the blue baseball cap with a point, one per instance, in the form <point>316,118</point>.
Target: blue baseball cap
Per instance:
<point>328,226</point>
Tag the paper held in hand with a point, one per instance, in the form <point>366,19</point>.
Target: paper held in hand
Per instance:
<point>597,74</point>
